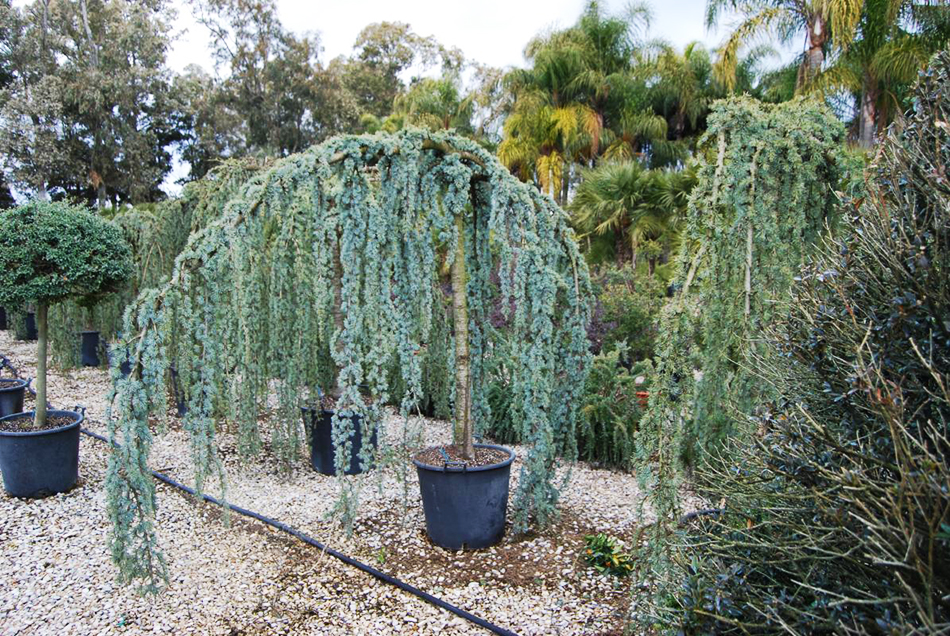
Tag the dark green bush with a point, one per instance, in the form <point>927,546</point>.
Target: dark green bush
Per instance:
<point>53,251</point>
<point>835,516</point>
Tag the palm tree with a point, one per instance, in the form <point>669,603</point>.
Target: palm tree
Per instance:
<point>826,23</point>
<point>896,39</point>
<point>637,206</point>
<point>575,101</point>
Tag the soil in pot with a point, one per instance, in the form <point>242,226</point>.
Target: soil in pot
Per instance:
<point>90,348</point>
<point>39,463</point>
<point>465,502</point>
<point>321,441</point>
<point>12,391</point>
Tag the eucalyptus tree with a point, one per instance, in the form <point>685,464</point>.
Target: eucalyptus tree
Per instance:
<point>276,96</point>
<point>383,53</point>
<point>88,109</point>
<point>327,264</point>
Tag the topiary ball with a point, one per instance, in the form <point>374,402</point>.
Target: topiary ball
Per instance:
<point>50,251</point>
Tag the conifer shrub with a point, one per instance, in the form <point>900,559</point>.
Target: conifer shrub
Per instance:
<point>835,514</point>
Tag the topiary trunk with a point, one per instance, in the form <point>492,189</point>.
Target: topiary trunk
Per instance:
<point>42,337</point>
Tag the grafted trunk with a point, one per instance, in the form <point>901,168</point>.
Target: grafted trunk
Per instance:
<point>463,396</point>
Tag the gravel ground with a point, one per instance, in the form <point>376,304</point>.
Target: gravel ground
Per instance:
<point>56,576</point>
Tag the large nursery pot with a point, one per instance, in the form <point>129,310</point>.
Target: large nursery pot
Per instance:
<point>12,391</point>
<point>321,441</point>
<point>125,367</point>
<point>40,463</point>
<point>90,348</point>
<point>30,325</point>
<point>3,319</point>
<point>465,507</point>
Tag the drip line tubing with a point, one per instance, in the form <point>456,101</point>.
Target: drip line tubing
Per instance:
<point>283,527</point>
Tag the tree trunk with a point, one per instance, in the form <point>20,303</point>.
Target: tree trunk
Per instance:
<point>337,312</point>
<point>42,312</point>
<point>463,397</point>
<point>815,55</point>
<point>867,126</point>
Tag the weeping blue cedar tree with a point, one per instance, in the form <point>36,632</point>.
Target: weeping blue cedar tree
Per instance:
<point>764,196</point>
<point>338,250</point>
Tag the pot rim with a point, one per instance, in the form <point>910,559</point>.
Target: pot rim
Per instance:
<point>89,331</point>
<point>476,469</point>
<point>49,431</point>
<point>15,387</point>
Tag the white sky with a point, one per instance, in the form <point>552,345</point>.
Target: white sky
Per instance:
<point>492,32</point>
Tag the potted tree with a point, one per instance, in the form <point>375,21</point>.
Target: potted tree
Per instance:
<point>50,252</point>
<point>341,249</point>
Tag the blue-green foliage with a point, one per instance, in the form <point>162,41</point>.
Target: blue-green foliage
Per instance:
<point>250,306</point>
<point>765,194</point>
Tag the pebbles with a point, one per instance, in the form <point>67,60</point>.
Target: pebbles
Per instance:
<point>56,576</point>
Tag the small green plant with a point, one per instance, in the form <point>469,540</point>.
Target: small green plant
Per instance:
<point>606,554</point>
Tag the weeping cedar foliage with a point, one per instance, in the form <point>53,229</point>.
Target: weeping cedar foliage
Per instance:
<point>325,268</point>
<point>837,513</point>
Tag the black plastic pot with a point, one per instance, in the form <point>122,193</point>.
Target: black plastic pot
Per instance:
<point>3,319</point>
<point>40,463</point>
<point>11,396</point>
<point>31,326</point>
<point>90,348</point>
<point>180,405</point>
<point>321,441</point>
<point>125,367</point>
<point>465,507</point>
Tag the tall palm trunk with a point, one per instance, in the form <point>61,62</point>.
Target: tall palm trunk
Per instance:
<point>815,55</point>
<point>867,123</point>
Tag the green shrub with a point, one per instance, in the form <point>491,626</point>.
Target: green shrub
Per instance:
<point>606,555</point>
<point>629,305</point>
<point>835,513</point>
<point>611,409</point>
<point>53,251</point>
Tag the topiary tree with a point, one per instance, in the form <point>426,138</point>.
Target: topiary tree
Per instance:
<point>53,251</point>
<point>328,265</point>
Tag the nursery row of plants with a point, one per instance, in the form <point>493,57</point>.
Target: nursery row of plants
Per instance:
<point>727,299</point>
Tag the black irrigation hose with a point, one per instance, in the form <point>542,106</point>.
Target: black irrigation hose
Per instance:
<point>382,576</point>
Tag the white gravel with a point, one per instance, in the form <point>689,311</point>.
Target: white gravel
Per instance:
<point>56,576</point>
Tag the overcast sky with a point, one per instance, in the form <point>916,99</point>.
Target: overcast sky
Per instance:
<point>492,32</point>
